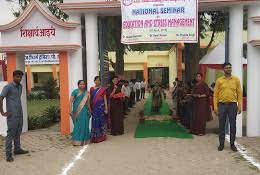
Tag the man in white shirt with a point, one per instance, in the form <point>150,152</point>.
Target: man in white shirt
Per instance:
<point>143,86</point>
<point>137,86</point>
<point>126,90</point>
<point>132,93</point>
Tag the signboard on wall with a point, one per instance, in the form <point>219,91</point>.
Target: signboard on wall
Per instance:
<point>32,59</point>
<point>37,32</point>
<point>159,21</point>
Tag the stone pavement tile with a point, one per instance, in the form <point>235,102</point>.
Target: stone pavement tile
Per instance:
<point>127,155</point>
<point>252,145</point>
<point>40,140</point>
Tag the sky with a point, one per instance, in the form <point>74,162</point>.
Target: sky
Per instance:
<point>6,11</point>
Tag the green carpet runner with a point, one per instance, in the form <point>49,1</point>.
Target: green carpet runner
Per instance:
<point>161,129</point>
<point>164,109</point>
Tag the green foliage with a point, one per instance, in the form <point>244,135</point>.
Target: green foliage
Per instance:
<point>51,4</point>
<point>213,21</point>
<point>46,119</point>
<point>52,113</point>
<point>50,89</point>
<point>37,107</point>
<point>36,95</point>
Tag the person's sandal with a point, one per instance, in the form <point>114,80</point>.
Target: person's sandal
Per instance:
<point>10,159</point>
<point>220,147</point>
<point>21,151</point>
<point>233,148</point>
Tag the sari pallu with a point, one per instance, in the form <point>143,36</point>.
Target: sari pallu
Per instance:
<point>80,134</point>
<point>99,121</point>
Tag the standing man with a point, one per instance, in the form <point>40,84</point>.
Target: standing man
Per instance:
<point>132,93</point>
<point>126,90</point>
<point>227,103</point>
<point>12,92</point>
<point>143,85</point>
<point>137,86</point>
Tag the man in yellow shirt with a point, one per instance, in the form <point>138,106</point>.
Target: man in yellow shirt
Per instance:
<point>227,103</point>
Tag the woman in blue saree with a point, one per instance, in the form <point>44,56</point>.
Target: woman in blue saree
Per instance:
<point>99,109</point>
<point>80,115</point>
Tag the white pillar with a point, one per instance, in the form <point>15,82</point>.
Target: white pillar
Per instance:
<point>75,58</point>
<point>253,72</point>
<point>92,47</point>
<point>236,49</point>
<point>20,65</point>
<point>75,68</point>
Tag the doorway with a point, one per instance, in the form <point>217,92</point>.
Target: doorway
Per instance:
<point>158,75</point>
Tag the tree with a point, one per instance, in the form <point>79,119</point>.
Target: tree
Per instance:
<point>51,4</point>
<point>113,43</point>
<point>208,21</point>
<point>50,88</point>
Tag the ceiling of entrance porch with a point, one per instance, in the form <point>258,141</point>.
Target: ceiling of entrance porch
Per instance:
<point>36,29</point>
<point>108,7</point>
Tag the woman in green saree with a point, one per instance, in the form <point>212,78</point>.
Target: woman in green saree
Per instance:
<point>80,115</point>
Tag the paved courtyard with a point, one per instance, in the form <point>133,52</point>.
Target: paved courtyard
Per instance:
<point>50,153</point>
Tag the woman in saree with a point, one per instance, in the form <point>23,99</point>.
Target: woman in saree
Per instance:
<point>99,109</point>
<point>116,107</point>
<point>80,115</point>
<point>156,99</point>
<point>180,96</point>
<point>202,110</point>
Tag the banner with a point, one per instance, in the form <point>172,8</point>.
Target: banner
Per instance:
<point>31,59</point>
<point>159,21</point>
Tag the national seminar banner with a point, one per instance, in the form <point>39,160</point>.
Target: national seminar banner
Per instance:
<point>159,21</point>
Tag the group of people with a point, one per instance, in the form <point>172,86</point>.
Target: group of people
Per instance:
<point>94,113</point>
<point>194,106</point>
<point>102,109</point>
<point>85,104</point>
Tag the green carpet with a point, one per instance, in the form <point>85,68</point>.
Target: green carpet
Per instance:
<point>164,109</point>
<point>161,129</point>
